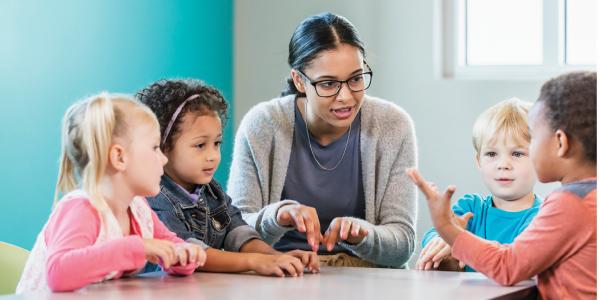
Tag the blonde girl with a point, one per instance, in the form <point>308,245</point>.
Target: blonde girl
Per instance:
<point>102,228</point>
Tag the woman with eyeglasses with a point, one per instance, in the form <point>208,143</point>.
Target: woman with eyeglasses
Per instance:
<point>322,167</point>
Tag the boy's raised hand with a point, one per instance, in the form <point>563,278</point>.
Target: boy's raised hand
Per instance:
<point>309,259</point>
<point>444,220</point>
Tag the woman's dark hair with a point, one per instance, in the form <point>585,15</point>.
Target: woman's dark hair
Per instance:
<point>570,104</point>
<point>164,97</point>
<point>315,34</point>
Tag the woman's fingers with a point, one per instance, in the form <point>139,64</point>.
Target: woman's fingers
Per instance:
<point>345,228</point>
<point>304,219</point>
<point>355,229</point>
<point>298,220</point>
<point>332,234</point>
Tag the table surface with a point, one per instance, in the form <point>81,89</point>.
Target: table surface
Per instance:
<point>332,283</point>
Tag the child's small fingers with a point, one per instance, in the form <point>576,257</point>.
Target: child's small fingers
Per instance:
<point>449,192</point>
<point>420,265</point>
<point>201,256</point>
<point>279,272</point>
<point>441,254</point>
<point>290,269</point>
<point>183,257</point>
<point>421,183</point>
<point>305,258</point>
<point>169,252</point>
<point>165,258</point>
<point>314,263</point>
<point>153,259</point>
<point>297,264</point>
<point>194,254</point>
<point>425,250</point>
<point>430,253</point>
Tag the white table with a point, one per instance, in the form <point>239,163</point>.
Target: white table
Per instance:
<point>333,283</point>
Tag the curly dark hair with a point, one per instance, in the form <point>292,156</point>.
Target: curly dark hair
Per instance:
<point>164,96</point>
<point>570,104</point>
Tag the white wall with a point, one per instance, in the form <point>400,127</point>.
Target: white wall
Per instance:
<point>399,37</point>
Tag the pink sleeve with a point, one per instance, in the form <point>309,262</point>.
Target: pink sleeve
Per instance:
<point>73,260</point>
<point>556,231</point>
<point>161,232</point>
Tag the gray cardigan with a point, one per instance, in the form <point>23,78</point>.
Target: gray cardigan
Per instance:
<point>387,146</point>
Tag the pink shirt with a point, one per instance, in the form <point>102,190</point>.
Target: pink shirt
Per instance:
<point>559,246</point>
<point>74,261</point>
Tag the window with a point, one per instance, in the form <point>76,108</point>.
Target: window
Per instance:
<point>516,39</point>
<point>580,42</point>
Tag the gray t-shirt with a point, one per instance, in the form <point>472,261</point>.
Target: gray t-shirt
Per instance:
<point>336,193</point>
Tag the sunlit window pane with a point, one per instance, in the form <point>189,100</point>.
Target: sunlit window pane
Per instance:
<point>581,32</point>
<point>504,32</point>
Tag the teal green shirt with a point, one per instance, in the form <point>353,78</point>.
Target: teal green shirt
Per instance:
<point>489,222</point>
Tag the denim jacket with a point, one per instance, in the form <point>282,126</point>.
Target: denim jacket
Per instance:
<point>212,221</point>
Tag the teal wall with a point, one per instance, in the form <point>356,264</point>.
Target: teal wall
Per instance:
<point>55,52</point>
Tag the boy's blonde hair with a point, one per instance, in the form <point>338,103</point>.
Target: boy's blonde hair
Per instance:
<point>87,133</point>
<point>509,117</point>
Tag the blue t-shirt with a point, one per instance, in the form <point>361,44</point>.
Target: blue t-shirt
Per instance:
<point>489,222</point>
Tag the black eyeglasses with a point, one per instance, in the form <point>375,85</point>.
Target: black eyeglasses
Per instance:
<point>332,87</point>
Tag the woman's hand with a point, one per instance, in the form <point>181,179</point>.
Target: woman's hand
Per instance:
<point>304,219</point>
<point>310,260</point>
<point>276,265</point>
<point>343,229</point>
<point>444,220</point>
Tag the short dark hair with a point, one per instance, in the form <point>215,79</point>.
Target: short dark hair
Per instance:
<point>164,97</point>
<point>315,34</point>
<point>570,104</point>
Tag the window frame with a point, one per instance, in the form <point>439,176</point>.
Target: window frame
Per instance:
<point>450,40</point>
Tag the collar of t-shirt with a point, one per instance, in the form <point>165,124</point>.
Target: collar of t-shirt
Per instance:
<point>195,194</point>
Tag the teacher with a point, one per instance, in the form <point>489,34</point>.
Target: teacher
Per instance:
<point>322,167</point>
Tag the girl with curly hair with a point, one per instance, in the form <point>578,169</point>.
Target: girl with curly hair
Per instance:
<point>191,203</point>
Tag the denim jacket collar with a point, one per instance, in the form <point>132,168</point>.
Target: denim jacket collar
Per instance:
<point>176,193</point>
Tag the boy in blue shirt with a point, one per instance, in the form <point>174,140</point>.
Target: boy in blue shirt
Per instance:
<point>501,140</point>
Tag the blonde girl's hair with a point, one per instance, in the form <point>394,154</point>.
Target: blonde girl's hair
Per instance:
<point>508,117</point>
<point>88,129</point>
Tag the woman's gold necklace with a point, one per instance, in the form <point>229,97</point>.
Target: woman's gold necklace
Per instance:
<point>310,146</point>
